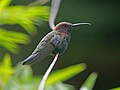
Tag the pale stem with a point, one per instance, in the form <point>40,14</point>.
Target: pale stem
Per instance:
<point>53,12</point>
<point>43,81</point>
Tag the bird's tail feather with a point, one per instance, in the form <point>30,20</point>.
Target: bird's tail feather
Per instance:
<point>31,59</point>
<point>38,55</point>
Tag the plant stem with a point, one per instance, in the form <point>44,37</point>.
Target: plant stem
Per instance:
<point>42,84</point>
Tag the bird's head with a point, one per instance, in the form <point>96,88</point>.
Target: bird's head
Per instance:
<point>66,27</point>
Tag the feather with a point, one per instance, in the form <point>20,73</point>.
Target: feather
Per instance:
<point>44,48</point>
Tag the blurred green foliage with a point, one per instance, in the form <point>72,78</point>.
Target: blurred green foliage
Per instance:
<point>118,88</point>
<point>89,83</point>
<point>25,16</point>
<point>6,70</point>
<point>22,78</point>
<point>10,39</point>
<point>65,73</point>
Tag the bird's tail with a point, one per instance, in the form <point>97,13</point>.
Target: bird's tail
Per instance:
<point>31,59</point>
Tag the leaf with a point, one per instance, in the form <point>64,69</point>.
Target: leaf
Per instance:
<point>4,4</point>
<point>24,16</point>
<point>23,79</point>
<point>118,88</point>
<point>27,73</point>
<point>28,26</point>
<point>10,39</point>
<point>6,69</point>
<point>11,47</point>
<point>40,11</point>
<point>13,36</point>
<point>60,86</point>
<point>64,74</point>
<point>7,61</point>
<point>89,83</point>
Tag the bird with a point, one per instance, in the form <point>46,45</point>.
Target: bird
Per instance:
<point>56,41</point>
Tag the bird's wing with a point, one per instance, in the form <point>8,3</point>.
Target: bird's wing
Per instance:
<point>42,50</point>
<point>53,12</point>
<point>45,47</point>
<point>48,43</point>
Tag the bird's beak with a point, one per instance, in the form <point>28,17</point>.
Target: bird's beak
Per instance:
<point>78,24</point>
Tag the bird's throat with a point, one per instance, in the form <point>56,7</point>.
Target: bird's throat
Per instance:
<point>63,34</point>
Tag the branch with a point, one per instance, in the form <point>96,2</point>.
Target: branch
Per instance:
<point>53,13</point>
<point>42,84</point>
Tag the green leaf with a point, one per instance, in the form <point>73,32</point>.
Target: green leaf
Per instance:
<point>118,88</point>
<point>64,74</point>
<point>6,69</point>
<point>4,4</point>
<point>27,73</point>
<point>40,11</point>
<point>24,16</point>
<point>60,86</point>
<point>28,26</point>
<point>7,61</point>
<point>10,39</point>
<point>10,46</point>
<point>89,83</point>
<point>22,79</point>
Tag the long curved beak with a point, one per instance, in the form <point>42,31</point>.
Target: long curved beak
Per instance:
<point>78,24</point>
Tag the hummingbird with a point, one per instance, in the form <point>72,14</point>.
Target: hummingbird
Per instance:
<point>56,41</point>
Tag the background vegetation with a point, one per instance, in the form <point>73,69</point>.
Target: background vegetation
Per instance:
<point>97,46</point>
